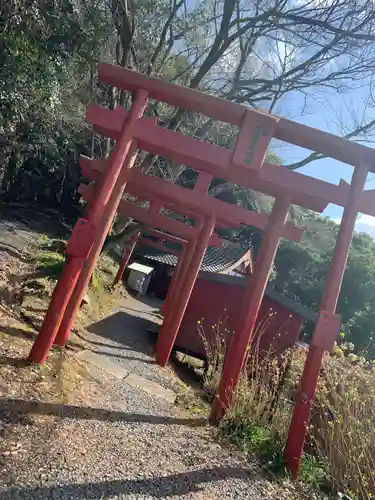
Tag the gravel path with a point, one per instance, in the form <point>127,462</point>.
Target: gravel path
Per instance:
<point>122,338</point>
<point>115,442</point>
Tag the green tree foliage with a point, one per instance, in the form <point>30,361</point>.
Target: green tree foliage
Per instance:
<point>302,268</point>
<point>46,50</point>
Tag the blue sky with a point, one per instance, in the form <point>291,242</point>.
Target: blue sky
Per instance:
<point>330,112</point>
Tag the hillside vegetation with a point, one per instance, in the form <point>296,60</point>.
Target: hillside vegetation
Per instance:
<point>301,270</point>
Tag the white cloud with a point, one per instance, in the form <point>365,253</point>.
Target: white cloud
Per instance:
<point>367,220</point>
<point>364,224</point>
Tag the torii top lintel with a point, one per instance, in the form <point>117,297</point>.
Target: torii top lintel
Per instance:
<point>270,179</point>
<point>220,109</point>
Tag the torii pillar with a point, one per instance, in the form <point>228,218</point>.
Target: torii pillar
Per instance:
<point>169,330</point>
<point>126,256</point>
<point>169,309</point>
<point>326,328</point>
<point>85,233</point>
<point>72,308</point>
<point>237,353</point>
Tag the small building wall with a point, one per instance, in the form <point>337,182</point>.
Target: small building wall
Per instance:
<point>213,301</point>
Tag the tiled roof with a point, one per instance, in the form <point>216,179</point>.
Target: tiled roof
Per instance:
<point>216,260</point>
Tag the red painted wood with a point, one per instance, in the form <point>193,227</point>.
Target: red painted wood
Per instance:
<point>289,131</point>
<point>119,154</point>
<point>206,205</point>
<point>306,191</point>
<point>306,392</point>
<point>186,199</point>
<point>73,267</point>
<point>213,301</point>
<point>203,182</point>
<point>151,219</point>
<point>89,265</point>
<point>176,275</point>
<point>92,169</point>
<point>271,178</point>
<point>201,186</point>
<point>253,142</point>
<point>328,144</point>
<point>167,336</point>
<point>177,95</point>
<point>60,298</point>
<point>176,284</point>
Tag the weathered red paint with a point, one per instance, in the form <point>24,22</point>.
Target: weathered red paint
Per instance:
<point>187,199</point>
<point>213,301</point>
<point>74,265</point>
<point>220,109</point>
<point>271,178</point>
<point>216,160</point>
<point>253,141</point>
<point>306,190</point>
<point>176,277</point>
<point>306,392</point>
<point>75,301</point>
<point>59,301</point>
<point>237,352</point>
<point>167,336</point>
<point>151,218</point>
<point>177,282</point>
<point>170,310</point>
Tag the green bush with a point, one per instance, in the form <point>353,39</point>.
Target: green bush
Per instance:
<point>51,262</point>
<point>253,438</point>
<point>312,471</point>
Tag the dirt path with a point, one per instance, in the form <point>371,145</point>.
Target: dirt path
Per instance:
<point>114,441</point>
<point>107,437</point>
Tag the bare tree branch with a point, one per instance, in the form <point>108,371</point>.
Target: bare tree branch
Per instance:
<point>163,34</point>
<point>317,156</point>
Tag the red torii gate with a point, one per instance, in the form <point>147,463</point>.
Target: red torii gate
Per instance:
<point>142,240</point>
<point>189,265</point>
<point>241,166</point>
<point>177,197</point>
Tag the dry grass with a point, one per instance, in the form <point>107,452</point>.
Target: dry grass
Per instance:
<point>342,428</point>
<point>257,415</point>
<point>340,448</point>
<point>215,344</point>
